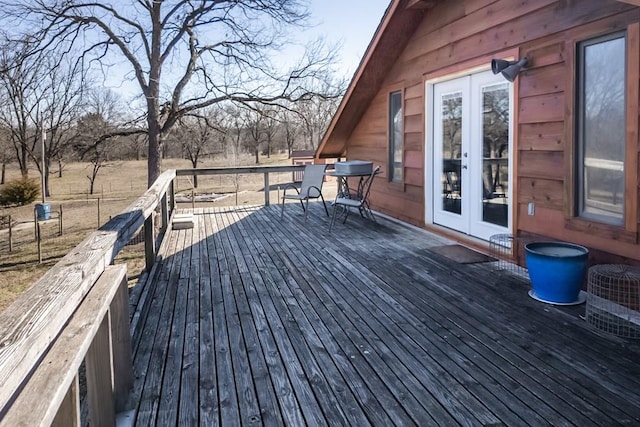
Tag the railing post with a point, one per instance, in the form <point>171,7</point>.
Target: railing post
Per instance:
<point>121,345</point>
<point>266,189</point>
<point>69,412</point>
<point>172,196</point>
<point>100,379</point>
<point>149,242</point>
<point>164,212</point>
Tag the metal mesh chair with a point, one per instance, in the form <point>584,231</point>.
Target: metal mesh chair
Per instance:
<point>360,200</point>
<point>311,188</point>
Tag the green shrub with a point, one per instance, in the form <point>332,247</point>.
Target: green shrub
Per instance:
<point>19,192</point>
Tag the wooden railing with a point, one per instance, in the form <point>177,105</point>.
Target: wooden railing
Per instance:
<point>265,170</point>
<point>75,312</point>
<point>79,311</point>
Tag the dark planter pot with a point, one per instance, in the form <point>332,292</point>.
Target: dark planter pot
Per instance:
<point>557,271</point>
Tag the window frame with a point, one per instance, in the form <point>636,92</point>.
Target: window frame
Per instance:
<point>579,123</point>
<point>598,233</point>
<point>391,141</point>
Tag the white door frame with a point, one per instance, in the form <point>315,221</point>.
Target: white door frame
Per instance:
<point>480,229</point>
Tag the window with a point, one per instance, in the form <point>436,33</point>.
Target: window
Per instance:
<point>601,124</point>
<point>395,136</point>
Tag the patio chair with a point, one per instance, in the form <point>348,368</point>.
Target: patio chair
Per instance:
<point>311,188</point>
<point>359,200</point>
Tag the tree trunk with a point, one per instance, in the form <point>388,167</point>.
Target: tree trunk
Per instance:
<point>59,168</point>
<point>152,92</point>
<point>154,161</point>
<point>94,174</point>
<point>257,155</point>
<point>23,160</point>
<point>194,164</point>
<point>2,174</point>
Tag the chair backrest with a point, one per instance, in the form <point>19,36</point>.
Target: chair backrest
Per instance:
<point>366,186</point>
<point>312,180</point>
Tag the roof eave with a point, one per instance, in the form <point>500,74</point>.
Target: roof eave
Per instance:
<point>366,81</point>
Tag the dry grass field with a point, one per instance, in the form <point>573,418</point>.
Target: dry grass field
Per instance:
<point>117,185</point>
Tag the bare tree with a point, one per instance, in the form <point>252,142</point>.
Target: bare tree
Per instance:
<point>196,134</point>
<point>233,124</point>
<point>94,132</point>
<point>316,113</point>
<point>44,95</point>
<point>138,143</point>
<point>184,55</point>
<point>270,127</point>
<point>6,153</point>
<point>90,128</point>
<point>22,88</point>
<point>63,103</point>
<point>253,119</point>
<point>291,124</point>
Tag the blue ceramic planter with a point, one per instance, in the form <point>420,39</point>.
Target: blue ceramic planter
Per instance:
<point>557,271</point>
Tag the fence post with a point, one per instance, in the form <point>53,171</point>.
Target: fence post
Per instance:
<point>98,212</point>
<point>193,198</point>
<point>60,221</point>
<point>39,239</point>
<point>35,225</point>
<point>266,189</point>
<point>10,236</point>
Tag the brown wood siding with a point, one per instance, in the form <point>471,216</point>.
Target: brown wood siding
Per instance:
<point>546,141</point>
<point>456,35</point>
<point>369,141</point>
<point>547,136</point>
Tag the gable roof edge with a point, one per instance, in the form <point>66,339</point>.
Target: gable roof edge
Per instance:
<point>357,75</point>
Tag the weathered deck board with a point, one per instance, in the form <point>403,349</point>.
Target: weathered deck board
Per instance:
<point>253,319</point>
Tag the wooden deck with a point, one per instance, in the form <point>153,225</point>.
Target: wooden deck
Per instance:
<point>253,320</point>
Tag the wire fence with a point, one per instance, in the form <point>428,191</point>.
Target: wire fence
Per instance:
<point>24,239</point>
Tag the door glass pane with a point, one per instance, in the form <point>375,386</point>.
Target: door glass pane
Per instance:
<point>495,154</point>
<point>602,129</point>
<point>451,152</point>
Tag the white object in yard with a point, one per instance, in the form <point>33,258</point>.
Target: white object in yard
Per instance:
<point>182,221</point>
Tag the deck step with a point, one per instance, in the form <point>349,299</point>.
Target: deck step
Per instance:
<point>182,221</point>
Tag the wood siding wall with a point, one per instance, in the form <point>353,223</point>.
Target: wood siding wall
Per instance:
<point>463,34</point>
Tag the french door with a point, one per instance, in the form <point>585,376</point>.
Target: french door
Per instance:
<point>471,154</point>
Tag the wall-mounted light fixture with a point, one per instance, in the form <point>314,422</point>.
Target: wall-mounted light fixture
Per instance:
<point>509,69</point>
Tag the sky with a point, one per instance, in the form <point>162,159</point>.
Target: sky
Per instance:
<point>351,21</point>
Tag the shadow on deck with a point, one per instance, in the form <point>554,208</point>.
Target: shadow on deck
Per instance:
<point>250,319</point>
